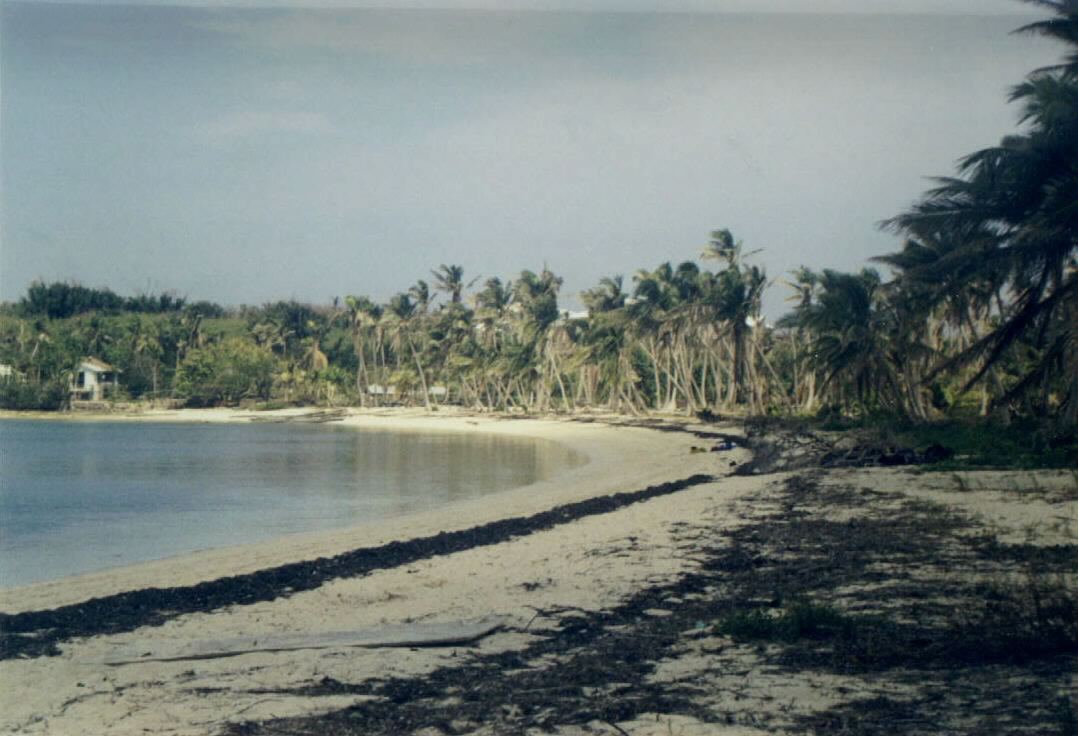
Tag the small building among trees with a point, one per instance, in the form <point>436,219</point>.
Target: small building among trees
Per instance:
<point>94,380</point>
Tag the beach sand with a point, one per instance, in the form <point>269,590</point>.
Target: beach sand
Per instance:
<point>549,585</point>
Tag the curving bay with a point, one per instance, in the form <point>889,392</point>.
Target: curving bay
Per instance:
<point>79,497</point>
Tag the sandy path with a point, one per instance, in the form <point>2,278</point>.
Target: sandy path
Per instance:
<point>589,563</point>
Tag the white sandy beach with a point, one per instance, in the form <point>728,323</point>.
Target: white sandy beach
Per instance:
<point>589,564</point>
<point>568,565</point>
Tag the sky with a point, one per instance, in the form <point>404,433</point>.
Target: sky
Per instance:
<point>249,154</point>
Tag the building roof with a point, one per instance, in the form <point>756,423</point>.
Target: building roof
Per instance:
<point>96,365</point>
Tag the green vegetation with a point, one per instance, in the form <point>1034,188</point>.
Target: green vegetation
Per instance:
<point>225,372</point>
<point>801,620</point>
<point>1025,444</point>
<point>978,323</point>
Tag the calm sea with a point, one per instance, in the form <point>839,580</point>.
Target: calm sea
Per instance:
<point>78,497</point>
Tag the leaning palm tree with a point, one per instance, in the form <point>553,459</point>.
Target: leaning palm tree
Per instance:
<point>1010,217</point>
<point>1063,27</point>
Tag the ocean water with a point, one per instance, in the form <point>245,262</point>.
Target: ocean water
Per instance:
<point>78,497</point>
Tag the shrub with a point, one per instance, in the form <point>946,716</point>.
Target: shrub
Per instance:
<point>17,394</point>
<point>225,373</point>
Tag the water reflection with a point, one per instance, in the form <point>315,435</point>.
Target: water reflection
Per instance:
<point>76,497</point>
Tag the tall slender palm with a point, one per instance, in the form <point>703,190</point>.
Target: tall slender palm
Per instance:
<point>736,302</point>
<point>402,320</point>
<point>536,295</point>
<point>146,349</point>
<point>665,316</point>
<point>608,345</point>
<point>363,315</point>
<point>806,284</point>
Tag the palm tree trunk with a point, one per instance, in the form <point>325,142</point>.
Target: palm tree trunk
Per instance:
<point>422,375</point>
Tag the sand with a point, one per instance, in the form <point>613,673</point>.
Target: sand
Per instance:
<point>568,566</point>
<point>588,565</point>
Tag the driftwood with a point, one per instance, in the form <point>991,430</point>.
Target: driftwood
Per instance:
<point>400,635</point>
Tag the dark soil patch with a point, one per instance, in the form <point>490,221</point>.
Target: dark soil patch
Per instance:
<point>37,633</point>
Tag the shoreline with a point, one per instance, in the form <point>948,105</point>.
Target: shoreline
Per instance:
<point>617,458</point>
<point>612,618</point>
<point>566,560</point>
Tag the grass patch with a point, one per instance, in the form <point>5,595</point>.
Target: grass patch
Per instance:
<point>801,620</point>
<point>984,445</point>
<point>976,442</point>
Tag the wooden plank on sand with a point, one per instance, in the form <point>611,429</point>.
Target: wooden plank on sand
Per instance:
<point>401,635</point>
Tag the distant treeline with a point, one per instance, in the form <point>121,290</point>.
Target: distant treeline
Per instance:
<point>63,299</point>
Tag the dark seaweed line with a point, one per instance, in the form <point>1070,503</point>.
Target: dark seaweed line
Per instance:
<point>36,633</point>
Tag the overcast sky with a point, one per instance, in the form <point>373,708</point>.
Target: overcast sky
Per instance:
<point>982,7</point>
<point>245,154</point>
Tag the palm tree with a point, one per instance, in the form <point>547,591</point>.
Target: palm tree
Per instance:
<point>450,279</point>
<point>657,313</point>
<point>722,246</point>
<point>805,285</point>
<point>402,318</point>
<point>491,310</point>
<point>536,296</point>
<point>608,346</point>
<point>736,302</point>
<point>146,349</point>
<point>1009,218</point>
<point>314,359</point>
<point>607,296</point>
<point>420,292</point>
<point>849,329</point>
<point>1064,27</point>
<point>538,299</point>
<point>363,315</point>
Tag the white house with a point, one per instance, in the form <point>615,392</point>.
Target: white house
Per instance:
<point>94,380</point>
